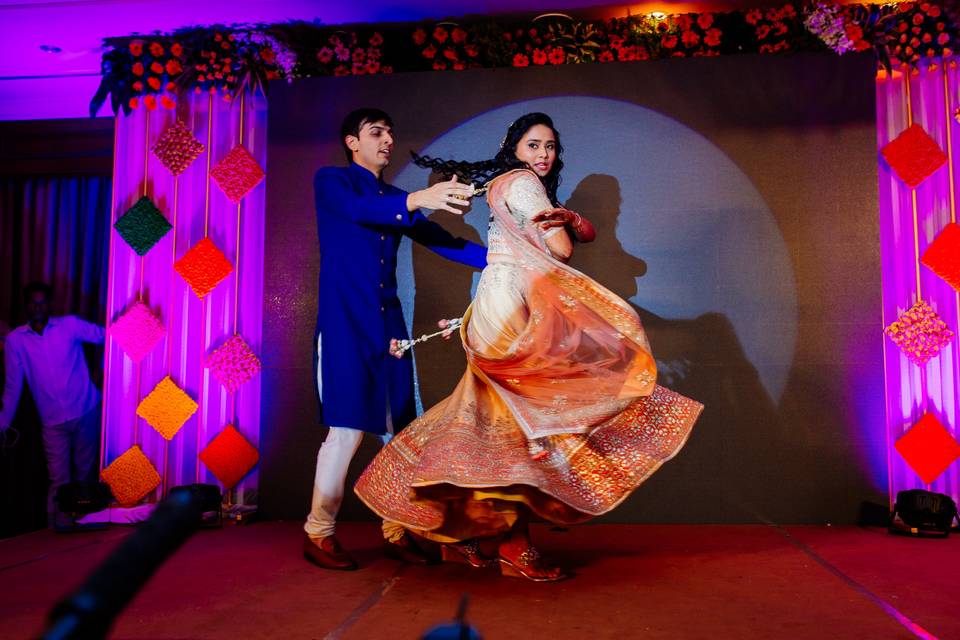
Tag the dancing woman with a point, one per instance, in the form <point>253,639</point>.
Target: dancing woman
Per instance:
<point>558,413</point>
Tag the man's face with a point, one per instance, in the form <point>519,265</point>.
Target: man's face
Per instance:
<point>38,307</point>
<point>372,148</point>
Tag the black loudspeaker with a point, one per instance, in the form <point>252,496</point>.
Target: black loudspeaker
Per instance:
<point>208,497</point>
<point>81,498</point>
<point>923,512</point>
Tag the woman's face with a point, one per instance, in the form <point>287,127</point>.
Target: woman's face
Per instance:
<point>538,148</point>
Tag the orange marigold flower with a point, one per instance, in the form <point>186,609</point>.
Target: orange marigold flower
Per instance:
<point>136,48</point>
<point>156,49</point>
<point>137,69</point>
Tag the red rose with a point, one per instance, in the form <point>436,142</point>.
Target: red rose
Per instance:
<point>915,42</point>
<point>690,39</point>
<point>705,21</point>
<point>376,39</point>
<point>712,39</point>
<point>430,52</point>
<point>150,101</point>
<point>167,102</point>
<point>137,69</point>
<point>458,35</point>
<point>927,38</point>
<point>176,49</point>
<point>134,103</point>
<point>557,56</point>
<point>341,70</point>
<point>170,86</point>
<point>156,67</point>
<point>933,11</point>
<point>472,50</point>
<point>440,35</point>
<point>753,17</point>
<point>173,67</point>
<point>154,83</point>
<point>763,31</point>
<point>669,42</point>
<point>539,57</point>
<point>605,56</point>
<point>942,39</point>
<point>918,18</point>
<point>359,55</point>
<point>520,60</point>
<point>138,86</point>
<point>358,69</point>
<point>940,26</point>
<point>532,33</point>
<point>325,55</point>
<point>916,30</point>
<point>136,48</point>
<point>156,49</point>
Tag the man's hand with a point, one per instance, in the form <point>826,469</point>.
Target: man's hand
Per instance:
<point>449,196</point>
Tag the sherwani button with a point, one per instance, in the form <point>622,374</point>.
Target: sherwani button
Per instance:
<point>399,216</point>
<point>383,237</point>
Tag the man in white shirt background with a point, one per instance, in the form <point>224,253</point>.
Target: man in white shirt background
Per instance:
<point>47,353</point>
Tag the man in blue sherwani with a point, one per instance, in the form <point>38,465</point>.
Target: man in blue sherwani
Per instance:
<point>360,222</point>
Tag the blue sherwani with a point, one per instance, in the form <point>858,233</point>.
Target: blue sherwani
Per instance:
<point>360,222</point>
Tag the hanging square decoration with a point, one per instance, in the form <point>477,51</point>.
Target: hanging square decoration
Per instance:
<point>203,267</point>
<point>142,226</point>
<point>177,147</point>
<point>137,331</point>
<point>233,363</point>
<point>914,155</point>
<point>943,255</point>
<point>166,408</point>
<point>237,173</point>
<point>919,333</point>
<point>229,456</point>
<point>928,448</point>
<point>131,476</point>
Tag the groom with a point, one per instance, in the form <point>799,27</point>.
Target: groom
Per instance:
<point>360,222</point>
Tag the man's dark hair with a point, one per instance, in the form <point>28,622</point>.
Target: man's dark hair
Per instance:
<point>354,122</point>
<point>34,287</point>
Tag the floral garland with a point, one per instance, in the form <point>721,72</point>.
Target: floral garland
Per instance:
<point>153,71</point>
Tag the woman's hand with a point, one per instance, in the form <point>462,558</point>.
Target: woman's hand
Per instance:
<point>579,226</point>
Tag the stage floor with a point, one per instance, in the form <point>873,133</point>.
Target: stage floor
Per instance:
<point>633,581</point>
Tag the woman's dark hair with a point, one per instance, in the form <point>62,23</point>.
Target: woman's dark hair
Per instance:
<point>486,170</point>
<point>353,122</point>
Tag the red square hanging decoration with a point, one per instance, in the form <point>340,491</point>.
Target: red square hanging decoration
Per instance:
<point>943,255</point>
<point>928,448</point>
<point>914,155</point>
<point>237,173</point>
<point>203,267</point>
<point>229,456</point>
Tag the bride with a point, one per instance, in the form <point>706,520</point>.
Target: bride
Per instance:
<point>558,414</point>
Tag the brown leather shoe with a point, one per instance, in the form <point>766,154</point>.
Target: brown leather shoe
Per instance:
<point>327,553</point>
<point>407,550</point>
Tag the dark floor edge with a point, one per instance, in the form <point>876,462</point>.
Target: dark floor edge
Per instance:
<point>366,605</point>
<point>887,608</point>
